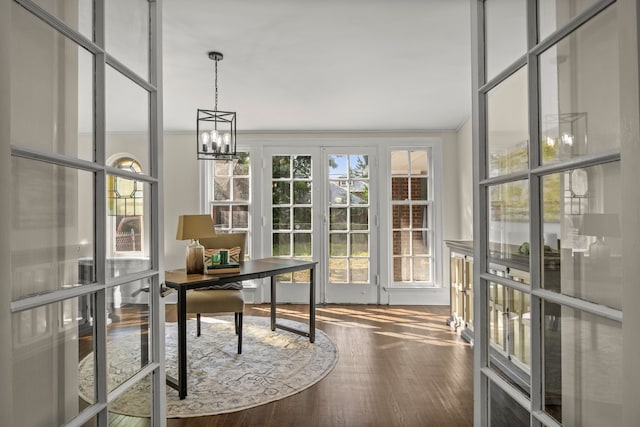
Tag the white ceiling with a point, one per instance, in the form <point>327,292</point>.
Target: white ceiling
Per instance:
<point>300,65</point>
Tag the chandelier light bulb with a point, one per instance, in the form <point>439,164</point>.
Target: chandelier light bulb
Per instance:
<point>204,137</point>
<point>226,141</point>
<point>204,140</point>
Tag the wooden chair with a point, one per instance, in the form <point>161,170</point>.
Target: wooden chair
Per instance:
<point>214,301</point>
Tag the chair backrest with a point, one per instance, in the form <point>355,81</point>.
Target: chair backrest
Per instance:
<point>226,241</point>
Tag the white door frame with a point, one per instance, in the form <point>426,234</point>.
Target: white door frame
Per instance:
<point>293,292</point>
<point>349,292</point>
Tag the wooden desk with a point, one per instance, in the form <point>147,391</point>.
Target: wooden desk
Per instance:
<point>254,269</point>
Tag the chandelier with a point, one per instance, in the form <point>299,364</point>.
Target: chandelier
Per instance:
<point>216,130</point>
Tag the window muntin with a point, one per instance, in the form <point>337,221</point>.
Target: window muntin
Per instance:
<point>52,227</point>
<point>64,111</point>
<point>589,262</point>
<point>349,218</point>
<point>506,33</point>
<point>411,217</point>
<point>582,367</point>
<point>508,126</point>
<point>579,98</point>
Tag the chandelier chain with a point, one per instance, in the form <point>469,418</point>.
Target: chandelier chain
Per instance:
<point>216,84</point>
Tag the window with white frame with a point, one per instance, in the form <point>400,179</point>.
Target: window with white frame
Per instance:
<point>411,217</point>
<point>229,195</point>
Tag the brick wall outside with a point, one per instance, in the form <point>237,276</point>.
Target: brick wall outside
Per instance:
<point>402,216</point>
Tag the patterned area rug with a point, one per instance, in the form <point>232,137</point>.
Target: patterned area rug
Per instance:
<point>272,366</point>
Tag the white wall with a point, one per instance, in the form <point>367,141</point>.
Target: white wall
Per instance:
<point>464,166</point>
<point>450,188</point>
<point>181,192</point>
<point>457,192</point>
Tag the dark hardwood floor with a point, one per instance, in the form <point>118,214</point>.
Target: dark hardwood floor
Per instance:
<point>398,366</point>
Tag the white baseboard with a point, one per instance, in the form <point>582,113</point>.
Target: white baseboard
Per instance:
<point>415,296</point>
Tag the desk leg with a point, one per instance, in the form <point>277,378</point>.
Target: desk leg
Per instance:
<point>182,343</point>
<point>273,303</point>
<point>312,305</point>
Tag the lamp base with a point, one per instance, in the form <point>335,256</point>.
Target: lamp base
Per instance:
<point>195,258</point>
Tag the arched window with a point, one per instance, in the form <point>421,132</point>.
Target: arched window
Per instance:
<point>125,202</point>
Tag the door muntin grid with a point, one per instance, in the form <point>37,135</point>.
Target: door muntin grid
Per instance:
<point>349,218</point>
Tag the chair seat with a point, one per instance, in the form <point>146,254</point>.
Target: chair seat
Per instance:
<point>215,301</point>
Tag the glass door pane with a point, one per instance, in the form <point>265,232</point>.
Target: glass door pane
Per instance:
<point>292,225</point>
<point>350,216</point>
<point>349,213</point>
<point>320,209</point>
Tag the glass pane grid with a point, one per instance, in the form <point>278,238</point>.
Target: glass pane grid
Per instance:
<point>292,211</point>
<point>579,118</point>
<point>349,229</point>
<point>410,210</point>
<point>231,194</point>
<point>53,343</point>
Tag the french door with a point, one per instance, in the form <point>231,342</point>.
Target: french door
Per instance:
<point>319,205</point>
<point>85,227</point>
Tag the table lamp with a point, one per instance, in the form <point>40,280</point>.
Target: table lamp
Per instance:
<point>194,227</point>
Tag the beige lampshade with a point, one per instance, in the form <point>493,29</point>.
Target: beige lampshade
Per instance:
<point>195,227</point>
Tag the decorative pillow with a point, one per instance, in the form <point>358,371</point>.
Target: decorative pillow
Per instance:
<point>234,258</point>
